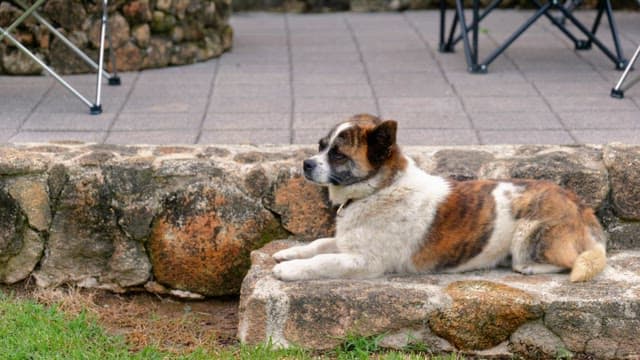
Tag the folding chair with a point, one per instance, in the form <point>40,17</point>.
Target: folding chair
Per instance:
<point>113,79</point>
<point>544,9</point>
<point>617,92</point>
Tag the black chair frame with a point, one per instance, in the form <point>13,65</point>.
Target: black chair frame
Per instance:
<point>543,9</point>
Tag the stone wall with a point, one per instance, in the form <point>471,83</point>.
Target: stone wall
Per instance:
<point>146,33</point>
<point>491,314</point>
<point>185,219</point>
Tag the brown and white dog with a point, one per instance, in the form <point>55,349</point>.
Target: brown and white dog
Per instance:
<point>395,218</point>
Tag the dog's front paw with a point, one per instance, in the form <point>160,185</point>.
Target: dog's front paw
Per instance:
<point>286,254</point>
<point>286,271</point>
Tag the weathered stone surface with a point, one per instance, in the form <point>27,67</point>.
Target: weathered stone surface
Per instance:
<point>623,234</point>
<point>20,247</point>
<point>128,57</point>
<point>67,13</point>
<point>64,60</point>
<point>304,207</point>
<point>200,30</point>
<point>460,164</point>
<point>284,312</point>
<point>623,163</point>
<point>494,310</point>
<point>577,168</point>
<point>483,314</point>
<point>20,266</point>
<point>137,11</point>
<point>15,62</point>
<point>142,35</point>
<point>203,234</point>
<point>85,242</point>
<point>33,197</point>
<point>158,53</point>
<point>534,340</point>
<point>16,162</point>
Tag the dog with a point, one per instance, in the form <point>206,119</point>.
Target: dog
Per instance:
<point>395,218</point>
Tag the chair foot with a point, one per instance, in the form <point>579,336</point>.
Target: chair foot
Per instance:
<point>114,81</point>
<point>478,69</point>
<point>583,45</point>
<point>446,48</point>
<point>617,93</point>
<point>95,110</point>
<point>622,64</point>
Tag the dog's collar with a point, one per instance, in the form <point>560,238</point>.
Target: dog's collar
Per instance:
<point>342,206</point>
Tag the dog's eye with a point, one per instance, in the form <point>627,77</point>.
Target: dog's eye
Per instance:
<point>322,144</point>
<point>335,155</point>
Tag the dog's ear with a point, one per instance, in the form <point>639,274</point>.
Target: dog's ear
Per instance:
<point>380,140</point>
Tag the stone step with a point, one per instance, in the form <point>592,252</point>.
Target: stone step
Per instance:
<point>485,313</point>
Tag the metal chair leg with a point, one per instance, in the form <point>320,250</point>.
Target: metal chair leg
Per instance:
<point>617,92</point>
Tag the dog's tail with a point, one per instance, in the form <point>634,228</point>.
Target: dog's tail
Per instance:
<point>589,264</point>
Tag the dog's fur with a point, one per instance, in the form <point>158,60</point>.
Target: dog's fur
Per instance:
<point>395,218</point>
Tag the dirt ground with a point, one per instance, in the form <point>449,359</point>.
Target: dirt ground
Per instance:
<point>143,319</point>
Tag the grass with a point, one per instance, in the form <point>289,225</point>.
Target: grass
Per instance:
<point>31,331</point>
<point>50,326</point>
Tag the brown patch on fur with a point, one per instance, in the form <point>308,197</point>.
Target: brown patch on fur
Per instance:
<point>354,143</point>
<point>566,224</point>
<point>462,226</point>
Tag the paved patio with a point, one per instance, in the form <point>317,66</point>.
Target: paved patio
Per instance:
<point>290,77</point>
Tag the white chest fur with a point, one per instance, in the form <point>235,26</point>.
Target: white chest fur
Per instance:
<point>389,226</point>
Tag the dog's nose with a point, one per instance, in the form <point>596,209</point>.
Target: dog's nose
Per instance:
<point>308,165</point>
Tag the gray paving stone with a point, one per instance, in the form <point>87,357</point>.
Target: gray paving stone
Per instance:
<point>245,137</point>
<point>308,136</point>
<point>325,50</point>
<point>351,57</point>
<point>525,137</point>
<point>338,63</point>
<point>153,137</point>
<point>327,68</point>
<point>279,58</point>
<point>156,121</point>
<point>516,121</point>
<point>409,121</point>
<point>163,104</point>
<point>390,106</point>
<point>494,104</point>
<point>627,136</point>
<point>400,77</point>
<point>332,90</point>
<point>221,104</point>
<point>602,120</point>
<point>7,134</point>
<point>244,121</point>
<point>437,137</point>
<point>17,104</point>
<point>560,89</point>
<point>252,90</point>
<point>253,68</point>
<point>65,135</point>
<point>502,89</point>
<point>318,120</point>
<point>78,122</point>
<point>12,119</point>
<point>589,104</point>
<point>336,104</point>
<point>170,89</point>
<point>252,78</point>
<point>418,89</point>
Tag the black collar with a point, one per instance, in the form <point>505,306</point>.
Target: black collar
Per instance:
<point>342,206</point>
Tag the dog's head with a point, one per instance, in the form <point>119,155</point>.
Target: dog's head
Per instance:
<point>353,151</point>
